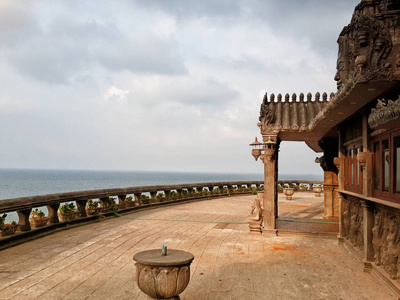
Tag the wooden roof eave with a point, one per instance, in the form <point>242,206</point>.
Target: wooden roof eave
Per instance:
<point>346,103</point>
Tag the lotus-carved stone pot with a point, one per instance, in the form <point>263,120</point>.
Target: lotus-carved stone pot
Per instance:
<point>317,191</point>
<point>288,192</point>
<point>163,276</point>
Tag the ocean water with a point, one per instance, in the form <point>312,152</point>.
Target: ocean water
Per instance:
<point>16,183</point>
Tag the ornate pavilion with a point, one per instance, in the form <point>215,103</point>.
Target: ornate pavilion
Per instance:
<point>358,131</point>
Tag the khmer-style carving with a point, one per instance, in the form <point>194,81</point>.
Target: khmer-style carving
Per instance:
<point>377,232</point>
<point>353,221</point>
<point>256,215</point>
<point>366,50</point>
<point>386,242</point>
<point>385,112</point>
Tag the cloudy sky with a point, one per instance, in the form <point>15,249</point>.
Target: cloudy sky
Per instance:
<point>157,85</point>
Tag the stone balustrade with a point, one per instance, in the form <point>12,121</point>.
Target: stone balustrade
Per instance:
<point>299,185</point>
<point>143,196</point>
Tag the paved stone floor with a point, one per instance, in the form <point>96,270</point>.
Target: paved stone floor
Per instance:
<point>95,261</point>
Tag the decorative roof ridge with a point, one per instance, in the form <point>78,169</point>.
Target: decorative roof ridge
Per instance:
<point>294,99</point>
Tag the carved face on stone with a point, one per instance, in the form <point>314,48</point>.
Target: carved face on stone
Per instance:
<point>342,65</point>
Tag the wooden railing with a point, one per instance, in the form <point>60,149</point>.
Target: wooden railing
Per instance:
<point>142,196</point>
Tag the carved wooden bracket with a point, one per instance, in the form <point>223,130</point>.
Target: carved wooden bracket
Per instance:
<point>336,161</point>
<point>362,159</point>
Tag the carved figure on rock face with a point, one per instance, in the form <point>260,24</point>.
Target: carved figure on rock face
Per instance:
<point>353,225</point>
<point>360,229</point>
<point>346,219</point>
<point>392,250</point>
<point>377,232</point>
<point>256,215</point>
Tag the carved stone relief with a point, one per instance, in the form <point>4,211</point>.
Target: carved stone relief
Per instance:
<point>353,223</point>
<point>366,44</point>
<point>386,242</point>
<point>384,112</point>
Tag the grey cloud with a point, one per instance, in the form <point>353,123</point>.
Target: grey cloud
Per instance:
<point>67,48</point>
<point>201,9</point>
<point>145,54</point>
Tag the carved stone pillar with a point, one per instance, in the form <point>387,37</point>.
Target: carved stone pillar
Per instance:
<point>338,162</point>
<point>81,205</point>
<point>269,158</point>
<point>368,224</point>
<point>104,203</point>
<point>179,193</point>
<point>230,188</point>
<point>167,195</point>
<point>121,201</point>
<point>331,205</point>
<point>191,191</point>
<point>137,198</point>
<point>153,198</point>
<point>23,216</point>
<point>53,217</point>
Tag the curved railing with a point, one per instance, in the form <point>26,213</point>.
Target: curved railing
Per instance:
<point>142,196</point>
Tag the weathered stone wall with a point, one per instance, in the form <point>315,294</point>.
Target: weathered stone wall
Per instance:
<point>385,234</point>
<point>353,223</point>
<point>386,241</point>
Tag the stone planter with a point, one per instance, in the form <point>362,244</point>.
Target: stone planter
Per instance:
<point>288,192</point>
<point>8,229</point>
<point>69,216</point>
<point>163,276</point>
<point>40,222</point>
<point>317,191</point>
<point>129,203</point>
<point>92,211</point>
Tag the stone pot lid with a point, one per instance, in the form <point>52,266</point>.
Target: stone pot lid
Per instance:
<point>155,258</point>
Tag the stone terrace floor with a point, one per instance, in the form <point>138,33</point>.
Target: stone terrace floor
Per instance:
<point>95,261</point>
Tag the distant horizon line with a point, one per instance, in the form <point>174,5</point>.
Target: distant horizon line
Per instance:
<point>151,171</point>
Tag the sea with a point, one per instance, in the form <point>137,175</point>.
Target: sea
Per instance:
<point>16,183</point>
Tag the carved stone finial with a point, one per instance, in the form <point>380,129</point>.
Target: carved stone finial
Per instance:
<point>324,97</point>
<point>265,99</point>
<point>301,97</point>
<point>287,97</point>
<point>294,97</point>
<point>317,96</point>
<point>309,95</point>
<point>279,97</point>
<point>272,98</point>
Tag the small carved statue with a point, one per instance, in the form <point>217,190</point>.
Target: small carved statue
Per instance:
<point>392,251</point>
<point>353,225</point>
<point>256,216</point>
<point>346,219</point>
<point>377,232</point>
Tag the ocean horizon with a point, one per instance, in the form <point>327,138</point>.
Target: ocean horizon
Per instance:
<point>16,183</point>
